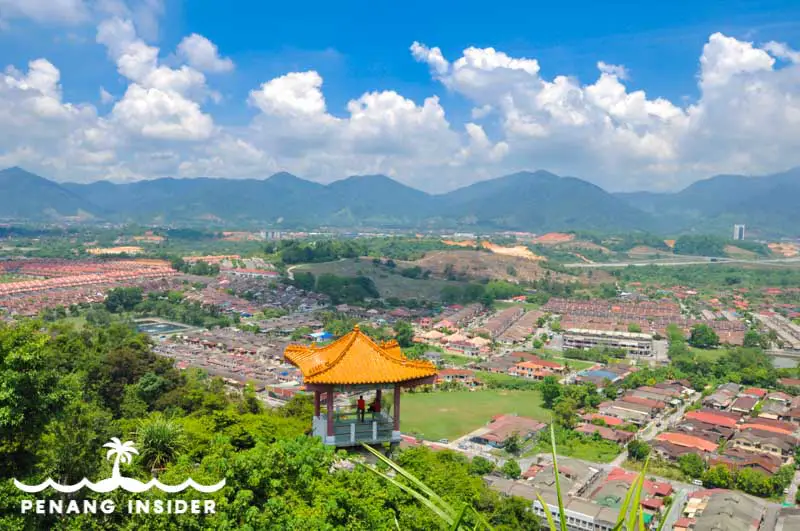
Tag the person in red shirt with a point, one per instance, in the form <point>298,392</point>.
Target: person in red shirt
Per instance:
<point>360,406</point>
<point>375,406</point>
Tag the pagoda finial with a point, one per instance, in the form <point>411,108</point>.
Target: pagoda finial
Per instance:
<point>356,328</point>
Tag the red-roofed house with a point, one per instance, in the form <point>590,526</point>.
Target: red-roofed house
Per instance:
<point>687,441</point>
<point>616,436</point>
<point>464,376</point>
<point>610,421</point>
<point>755,392</point>
<point>711,418</point>
<point>653,488</point>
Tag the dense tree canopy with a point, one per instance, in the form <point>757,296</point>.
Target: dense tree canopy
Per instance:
<point>66,392</point>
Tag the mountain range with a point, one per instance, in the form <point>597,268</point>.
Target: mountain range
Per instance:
<point>534,201</point>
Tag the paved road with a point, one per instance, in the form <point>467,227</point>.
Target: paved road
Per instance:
<point>674,263</point>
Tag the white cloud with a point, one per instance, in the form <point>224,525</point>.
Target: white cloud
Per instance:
<point>47,11</point>
<point>106,97</point>
<point>203,54</point>
<point>745,119</point>
<point>161,102</point>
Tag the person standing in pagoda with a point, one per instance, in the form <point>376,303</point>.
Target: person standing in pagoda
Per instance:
<point>361,408</point>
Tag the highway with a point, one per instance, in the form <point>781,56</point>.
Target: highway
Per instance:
<point>671,262</point>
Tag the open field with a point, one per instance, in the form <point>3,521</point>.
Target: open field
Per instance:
<point>9,278</point>
<point>389,284</point>
<point>455,359</point>
<point>502,305</point>
<point>574,364</point>
<point>580,448</point>
<point>709,354</point>
<point>449,415</point>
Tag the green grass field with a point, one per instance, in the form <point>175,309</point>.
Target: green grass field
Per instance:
<point>575,364</point>
<point>709,354</point>
<point>449,415</point>
<point>454,359</point>
<point>502,305</point>
<point>389,284</point>
<point>9,278</point>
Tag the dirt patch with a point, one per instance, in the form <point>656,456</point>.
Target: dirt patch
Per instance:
<point>552,238</point>
<point>479,264</point>
<point>519,251</point>
<point>784,249</point>
<point>643,250</point>
<point>738,252</point>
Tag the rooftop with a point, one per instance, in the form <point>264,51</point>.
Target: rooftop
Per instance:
<point>356,359</point>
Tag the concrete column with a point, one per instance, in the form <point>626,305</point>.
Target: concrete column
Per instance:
<point>330,412</point>
<point>316,403</point>
<point>396,411</point>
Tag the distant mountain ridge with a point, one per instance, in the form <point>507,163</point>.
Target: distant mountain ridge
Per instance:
<point>534,201</point>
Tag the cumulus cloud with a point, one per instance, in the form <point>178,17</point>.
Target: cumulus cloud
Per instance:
<point>161,102</point>
<point>745,119</point>
<point>203,54</point>
<point>48,11</point>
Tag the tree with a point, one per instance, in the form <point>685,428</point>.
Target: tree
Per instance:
<point>304,280</point>
<point>565,412</point>
<point>692,465</point>
<point>160,440</point>
<point>511,469</point>
<point>123,299</point>
<point>513,444</point>
<point>752,339</point>
<point>551,390</point>
<point>703,336</point>
<point>634,328</point>
<point>480,466</point>
<point>718,476</point>
<point>638,450</point>
<point>754,482</point>
<point>404,333</point>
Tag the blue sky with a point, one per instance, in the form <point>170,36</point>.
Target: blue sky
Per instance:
<point>361,47</point>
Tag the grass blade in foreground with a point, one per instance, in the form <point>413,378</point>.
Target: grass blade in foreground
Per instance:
<point>561,517</point>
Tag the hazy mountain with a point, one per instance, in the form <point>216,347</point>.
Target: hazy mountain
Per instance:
<point>765,204</point>
<point>543,201</point>
<point>24,195</point>
<point>537,201</point>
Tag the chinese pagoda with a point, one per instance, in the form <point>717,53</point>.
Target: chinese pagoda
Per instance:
<point>357,365</point>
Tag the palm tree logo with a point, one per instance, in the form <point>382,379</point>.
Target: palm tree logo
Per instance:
<point>122,452</point>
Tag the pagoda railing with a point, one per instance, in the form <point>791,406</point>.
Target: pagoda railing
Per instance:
<point>349,430</point>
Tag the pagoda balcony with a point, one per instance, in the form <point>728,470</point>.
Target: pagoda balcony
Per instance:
<point>348,430</point>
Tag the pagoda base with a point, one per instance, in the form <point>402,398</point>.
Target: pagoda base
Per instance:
<point>348,431</point>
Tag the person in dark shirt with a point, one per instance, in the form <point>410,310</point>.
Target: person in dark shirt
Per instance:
<point>361,405</point>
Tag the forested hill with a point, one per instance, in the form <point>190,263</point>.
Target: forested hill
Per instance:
<point>66,393</point>
<point>532,201</point>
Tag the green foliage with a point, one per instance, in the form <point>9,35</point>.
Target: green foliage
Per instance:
<point>703,336</point>
<point>692,465</point>
<point>551,391</point>
<point>718,476</point>
<point>511,469</point>
<point>404,333</point>
<point>123,299</point>
<point>198,267</point>
<point>304,280</point>
<point>346,289</point>
<point>700,245</point>
<point>480,466</point>
<point>638,450</point>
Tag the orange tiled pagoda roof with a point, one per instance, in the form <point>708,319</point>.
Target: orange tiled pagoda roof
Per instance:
<point>356,359</point>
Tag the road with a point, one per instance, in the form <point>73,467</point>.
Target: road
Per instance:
<point>695,261</point>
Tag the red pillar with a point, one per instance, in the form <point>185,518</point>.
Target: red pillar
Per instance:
<point>378,396</point>
<point>397,407</point>
<point>316,403</point>
<point>330,411</point>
